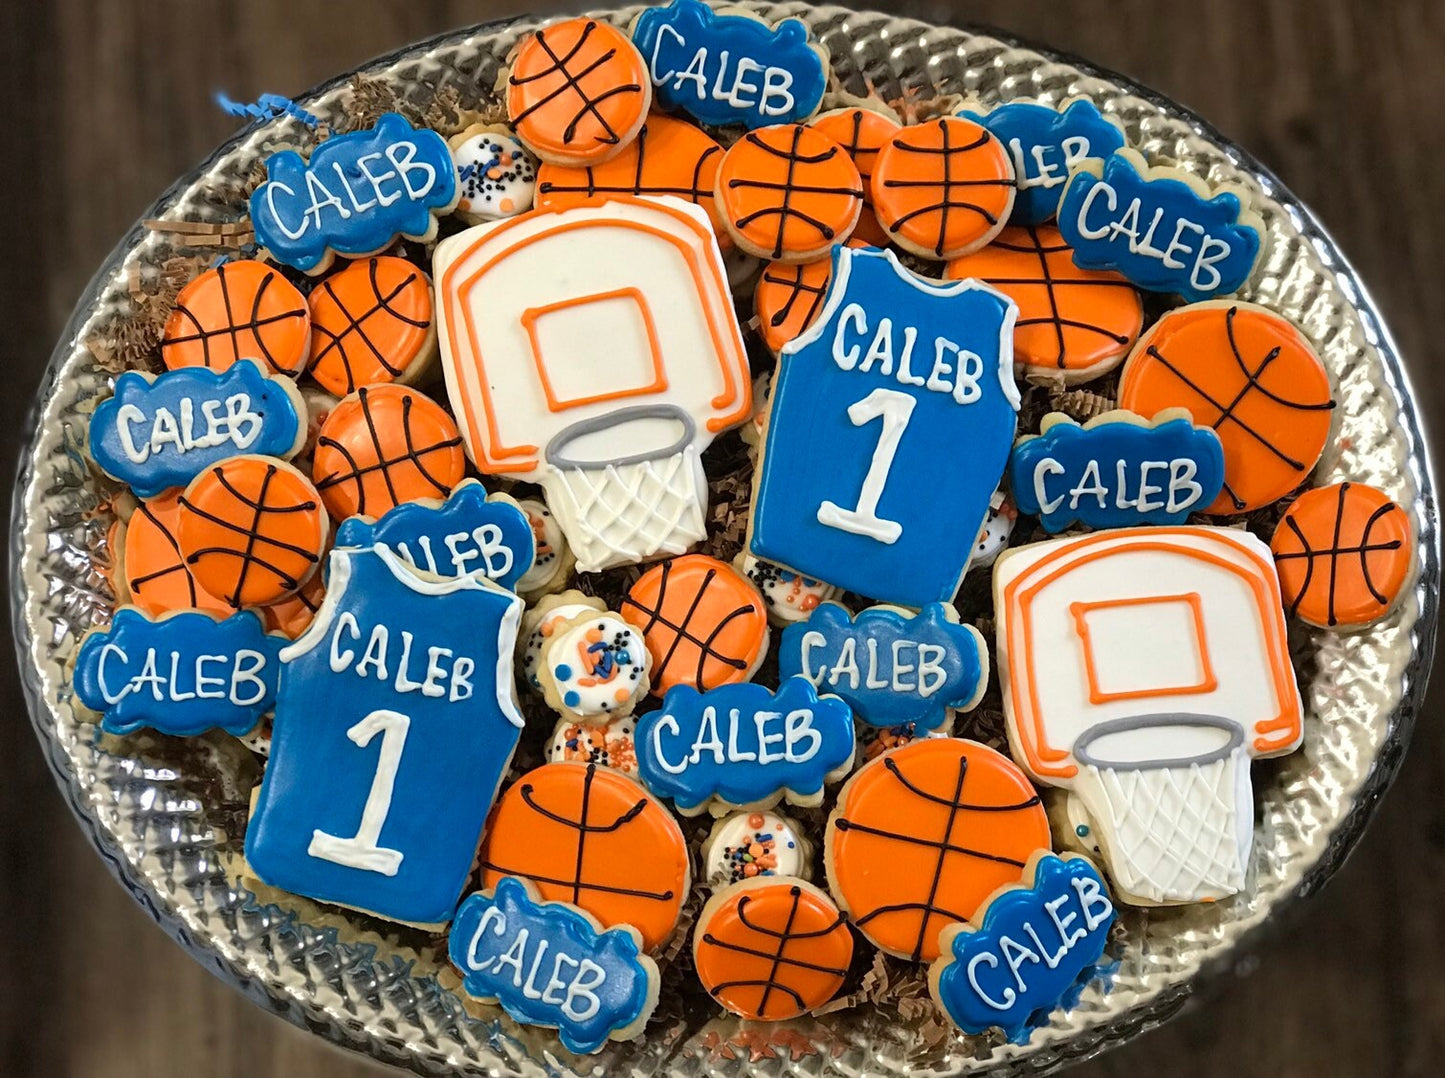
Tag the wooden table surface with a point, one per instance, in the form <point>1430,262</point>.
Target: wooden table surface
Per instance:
<point>109,101</point>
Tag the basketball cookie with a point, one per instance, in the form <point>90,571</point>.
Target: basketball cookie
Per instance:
<point>292,616</point>
<point>608,746</point>
<point>1344,553</point>
<point>541,621</point>
<point>789,597</point>
<point>788,193</point>
<point>496,175</point>
<point>553,561</point>
<point>151,567</point>
<point>747,845</point>
<point>239,310</point>
<point>1250,375</point>
<point>252,530</point>
<point>704,623</point>
<point>594,668</point>
<point>861,131</point>
<point>789,296</point>
<point>382,446</point>
<point>371,323</point>
<point>594,838</point>
<point>1074,323</point>
<point>668,158</point>
<point>578,92</point>
<point>924,834</point>
<point>771,949</point>
<point>942,189</point>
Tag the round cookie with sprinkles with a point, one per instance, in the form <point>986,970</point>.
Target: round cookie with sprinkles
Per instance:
<point>705,625</point>
<point>942,189</point>
<point>150,566</point>
<point>609,746</point>
<point>578,92</point>
<point>595,838</point>
<point>1343,553</point>
<point>998,526</point>
<point>382,446</point>
<point>1075,323</point>
<point>747,845</point>
<point>771,949</point>
<point>788,193</point>
<point>252,530</point>
<point>923,834</point>
<point>554,560</point>
<point>790,597</point>
<point>496,175</point>
<point>876,740</point>
<point>239,310</point>
<point>594,668</point>
<point>371,323</point>
<point>861,131</point>
<point>541,621</point>
<point>1249,374</point>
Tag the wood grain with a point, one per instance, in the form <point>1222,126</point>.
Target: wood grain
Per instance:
<point>108,102</point>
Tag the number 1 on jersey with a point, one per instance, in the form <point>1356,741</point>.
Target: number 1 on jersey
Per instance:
<point>894,408</point>
<point>361,850</point>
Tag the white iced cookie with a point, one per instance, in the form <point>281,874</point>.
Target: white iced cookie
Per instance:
<point>554,560</point>
<point>747,845</point>
<point>496,175</point>
<point>595,668</point>
<point>538,623</point>
<point>874,741</point>
<point>788,596</point>
<point>606,746</point>
<point>993,537</point>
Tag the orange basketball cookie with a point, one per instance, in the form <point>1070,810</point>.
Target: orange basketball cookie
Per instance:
<point>944,188</point>
<point>788,193</point>
<point>704,623</point>
<point>292,616</point>
<point>578,92</point>
<point>592,837</point>
<point>252,530</point>
<point>1343,554</point>
<point>1250,375</point>
<point>668,157</point>
<point>789,296</point>
<point>1075,322</point>
<point>862,132</point>
<point>371,323</point>
<point>385,445</point>
<point>771,948</point>
<point>152,566</point>
<point>923,834</point>
<point>239,310</point>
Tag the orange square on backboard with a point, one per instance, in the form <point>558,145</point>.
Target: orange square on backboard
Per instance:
<point>565,335</point>
<point>1109,631</point>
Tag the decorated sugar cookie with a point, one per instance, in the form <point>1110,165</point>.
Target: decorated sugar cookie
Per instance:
<point>1046,143</point>
<point>892,666</point>
<point>470,532</point>
<point>540,622</point>
<point>397,696</point>
<point>744,746</point>
<point>595,350</point>
<point>252,530</point>
<point>876,740</point>
<point>161,432</point>
<point>997,527</point>
<point>612,745</point>
<point>1250,375</point>
<point>319,405</point>
<point>1117,470</point>
<point>551,964</point>
<point>747,845</point>
<point>293,615</point>
<point>1142,669</point>
<point>727,68</point>
<point>495,173</point>
<point>594,838</point>
<point>1163,228</point>
<point>355,196</point>
<point>239,310</point>
<point>668,158</point>
<point>1026,951</point>
<point>183,673</point>
<point>921,837</point>
<point>1344,553</point>
<point>1073,323</point>
<point>943,188</point>
<point>705,624</point>
<point>788,193</point>
<point>594,668</point>
<point>578,92</point>
<point>552,558</point>
<point>789,597</point>
<point>897,375</point>
<point>771,949</point>
<point>382,446</point>
<point>150,568</point>
<point>862,131</point>
<point>371,322</point>
<point>788,298</point>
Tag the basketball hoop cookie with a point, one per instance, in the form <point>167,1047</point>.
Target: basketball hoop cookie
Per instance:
<point>1249,374</point>
<point>1344,553</point>
<point>593,668</point>
<point>923,835</point>
<point>495,173</point>
<point>150,567</point>
<point>239,310</point>
<point>771,949</point>
<point>594,838</point>
<point>577,92</point>
<point>942,189</point>
<point>540,622</point>
<point>371,323</point>
<point>749,845</point>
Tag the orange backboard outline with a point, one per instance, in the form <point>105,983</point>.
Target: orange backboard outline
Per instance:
<point>1098,694</point>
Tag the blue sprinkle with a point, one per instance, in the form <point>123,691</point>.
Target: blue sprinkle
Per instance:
<point>1082,830</point>
<point>572,699</point>
<point>563,672</point>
